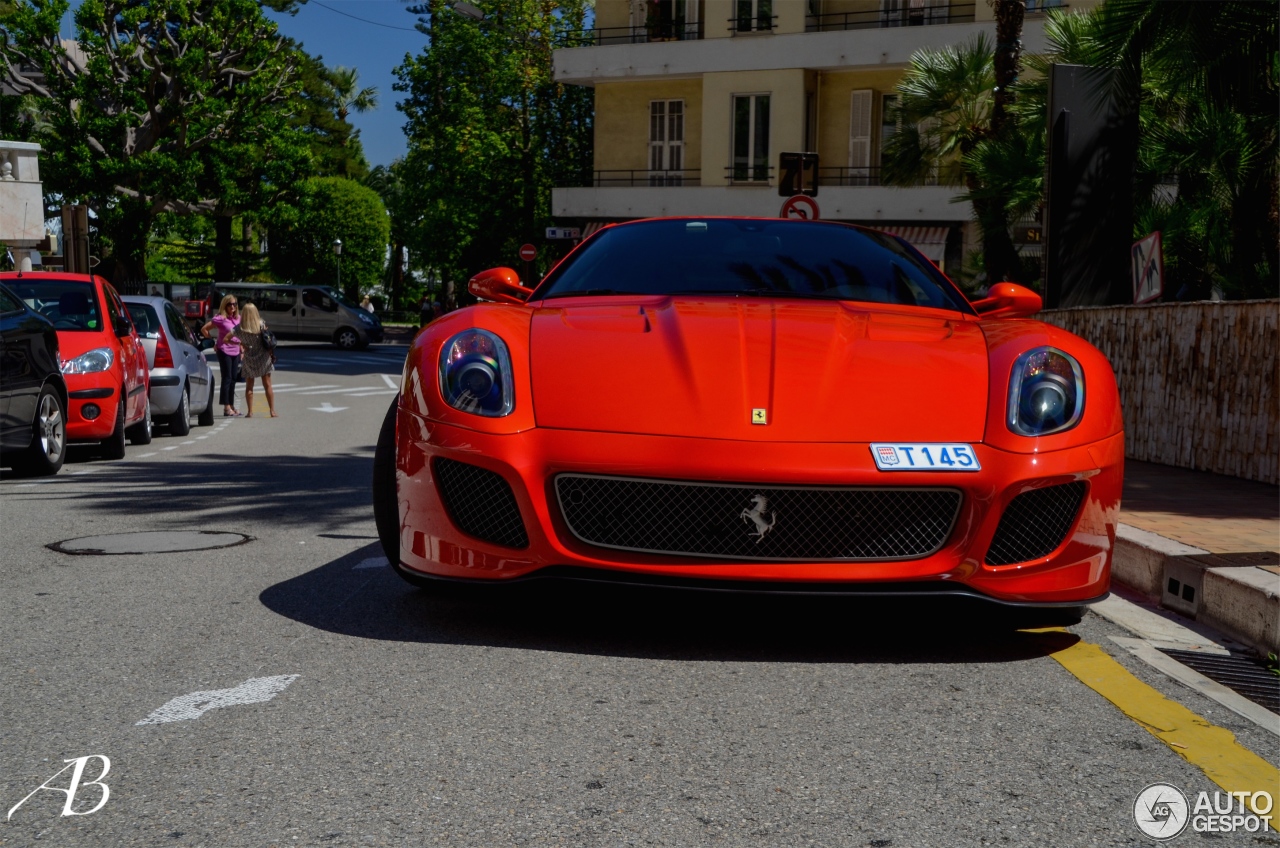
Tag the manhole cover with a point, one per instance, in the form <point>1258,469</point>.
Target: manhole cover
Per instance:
<point>154,542</point>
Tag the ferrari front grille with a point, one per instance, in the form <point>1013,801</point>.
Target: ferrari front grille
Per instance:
<point>480,502</point>
<point>766,522</point>
<point>1035,523</point>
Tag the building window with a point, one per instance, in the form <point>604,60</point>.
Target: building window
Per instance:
<point>860,137</point>
<point>888,121</point>
<point>753,15</point>
<point>670,20</point>
<point>896,13</point>
<point>666,142</point>
<point>751,138</point>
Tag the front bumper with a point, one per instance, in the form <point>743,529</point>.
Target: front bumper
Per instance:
<point>1077,571</point>
<point>84,393</point>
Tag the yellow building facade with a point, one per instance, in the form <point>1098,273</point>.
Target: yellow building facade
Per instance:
<point>695,101</point>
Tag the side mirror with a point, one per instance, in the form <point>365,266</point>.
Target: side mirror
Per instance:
<point>1008,300</point>
<point>123,331</point>
<point>498,284</point>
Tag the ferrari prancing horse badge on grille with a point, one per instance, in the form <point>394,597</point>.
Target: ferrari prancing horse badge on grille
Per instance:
<point>759,503</point>
<point>759,416</point>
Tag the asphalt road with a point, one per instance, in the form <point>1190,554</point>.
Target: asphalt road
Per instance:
<point>544,716</point>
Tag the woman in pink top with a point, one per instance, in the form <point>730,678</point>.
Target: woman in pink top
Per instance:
<point>228,349</point>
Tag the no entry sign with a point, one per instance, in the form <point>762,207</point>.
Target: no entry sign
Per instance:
<point>528,252</point>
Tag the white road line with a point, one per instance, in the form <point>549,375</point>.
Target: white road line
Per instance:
<point>390,381</point>
<point>334,391</point>
<point>145,455</point>
<point>188,442</point>
<point>374,392</point>
<point>173,447</point>
<point>198,439</point>
<point>255,690</point>
<point>304,388</point>
<point>373,562</point>
<point>25,485</point>
<point>81,473</point>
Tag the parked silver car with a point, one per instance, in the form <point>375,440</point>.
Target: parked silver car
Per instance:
<point>181,379</point>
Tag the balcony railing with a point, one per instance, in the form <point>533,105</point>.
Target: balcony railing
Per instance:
<point>869,176</point>
<point>749,174</point>
<point>956,13</point>
<point>753,23</point>
<point>660,31</point>
<point>653,179</point>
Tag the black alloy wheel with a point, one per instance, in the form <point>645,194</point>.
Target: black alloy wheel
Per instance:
<point>180,420</point>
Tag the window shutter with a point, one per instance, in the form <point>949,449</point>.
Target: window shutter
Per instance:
<point>860,129</point>
<point>657,134</point>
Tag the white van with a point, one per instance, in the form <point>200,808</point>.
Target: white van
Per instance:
<point>305,312</point>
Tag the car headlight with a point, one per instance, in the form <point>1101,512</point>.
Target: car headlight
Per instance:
<point>98,359</point>
<point>475,374</point>
<point>1046,392</point>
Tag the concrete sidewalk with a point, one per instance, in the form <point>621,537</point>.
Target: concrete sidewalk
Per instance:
<point>1204,545</point>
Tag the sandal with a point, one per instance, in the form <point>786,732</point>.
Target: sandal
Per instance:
<point>235,413</point>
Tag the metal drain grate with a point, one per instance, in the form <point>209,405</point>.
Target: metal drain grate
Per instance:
<point>1245,675</point>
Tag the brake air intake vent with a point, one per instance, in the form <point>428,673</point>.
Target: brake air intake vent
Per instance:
<point>1035,523</point>
<point>480,502</point>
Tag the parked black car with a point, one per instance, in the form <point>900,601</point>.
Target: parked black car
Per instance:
<point>33,396</point>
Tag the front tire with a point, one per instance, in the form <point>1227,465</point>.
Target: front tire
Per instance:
<point>386,509</point>
<point>180,421</point>
<point>49,437</point>
<point>205,418</point>
<point>140,433</point>
<point>113,447</point>
<point>346,338</point>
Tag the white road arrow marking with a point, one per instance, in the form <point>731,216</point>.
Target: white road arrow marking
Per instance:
<point>374,562</point>
<point>390,381</point>
<point>255,690</point>
<point>327,407</point>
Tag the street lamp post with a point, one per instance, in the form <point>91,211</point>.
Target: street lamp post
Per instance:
<point>337,251</point>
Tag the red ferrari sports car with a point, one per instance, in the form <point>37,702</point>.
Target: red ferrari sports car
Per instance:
<point>764,404</point>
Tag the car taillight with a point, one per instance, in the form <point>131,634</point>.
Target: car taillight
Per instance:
<point>164,356</point>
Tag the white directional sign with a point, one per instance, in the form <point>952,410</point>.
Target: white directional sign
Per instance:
<point>255,690</point>
<point>564,232</point>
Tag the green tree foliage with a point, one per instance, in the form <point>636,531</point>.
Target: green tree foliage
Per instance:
<point>328,208</point>
<point>946,100</point>
<point>138,103</point>
<point>1205,75</point>
<point>490,132</point>
<point>319,111</point>
<point>402,207</point>
<point>348,94</point>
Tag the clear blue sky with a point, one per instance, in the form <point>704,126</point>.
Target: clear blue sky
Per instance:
<point>374,45</point>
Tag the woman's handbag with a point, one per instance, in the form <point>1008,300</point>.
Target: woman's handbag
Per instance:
<point>268,339</point>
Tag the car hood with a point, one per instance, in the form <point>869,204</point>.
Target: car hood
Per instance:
<point>72,343</point>
<point>822,371</point>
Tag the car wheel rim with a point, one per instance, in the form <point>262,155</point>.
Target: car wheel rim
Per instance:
<point>186,405</point>
<point>52,435</point>
<point>347,340</point>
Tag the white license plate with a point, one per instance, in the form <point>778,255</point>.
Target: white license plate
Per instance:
<point>925,457</point>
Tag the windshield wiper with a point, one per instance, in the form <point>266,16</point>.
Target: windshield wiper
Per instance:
<point>586,293</point>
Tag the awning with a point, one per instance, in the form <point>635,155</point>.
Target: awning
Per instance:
<point>931,241</point>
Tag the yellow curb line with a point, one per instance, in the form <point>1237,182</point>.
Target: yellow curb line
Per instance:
<point>1212,749</point>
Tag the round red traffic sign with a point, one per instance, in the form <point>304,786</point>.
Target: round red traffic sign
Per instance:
<point>801,206</point>
<point>528,252</point>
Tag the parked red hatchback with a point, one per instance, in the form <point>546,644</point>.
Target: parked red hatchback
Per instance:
<point>103,361</point>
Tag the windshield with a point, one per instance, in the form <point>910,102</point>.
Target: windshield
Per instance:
<point>69,304</point>
<point>745,257</point>
<point>338,296</point>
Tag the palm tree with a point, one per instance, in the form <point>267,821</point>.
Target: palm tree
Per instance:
<point>946,100</point>
<point>344,82</point>
<point>1205,76</point>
